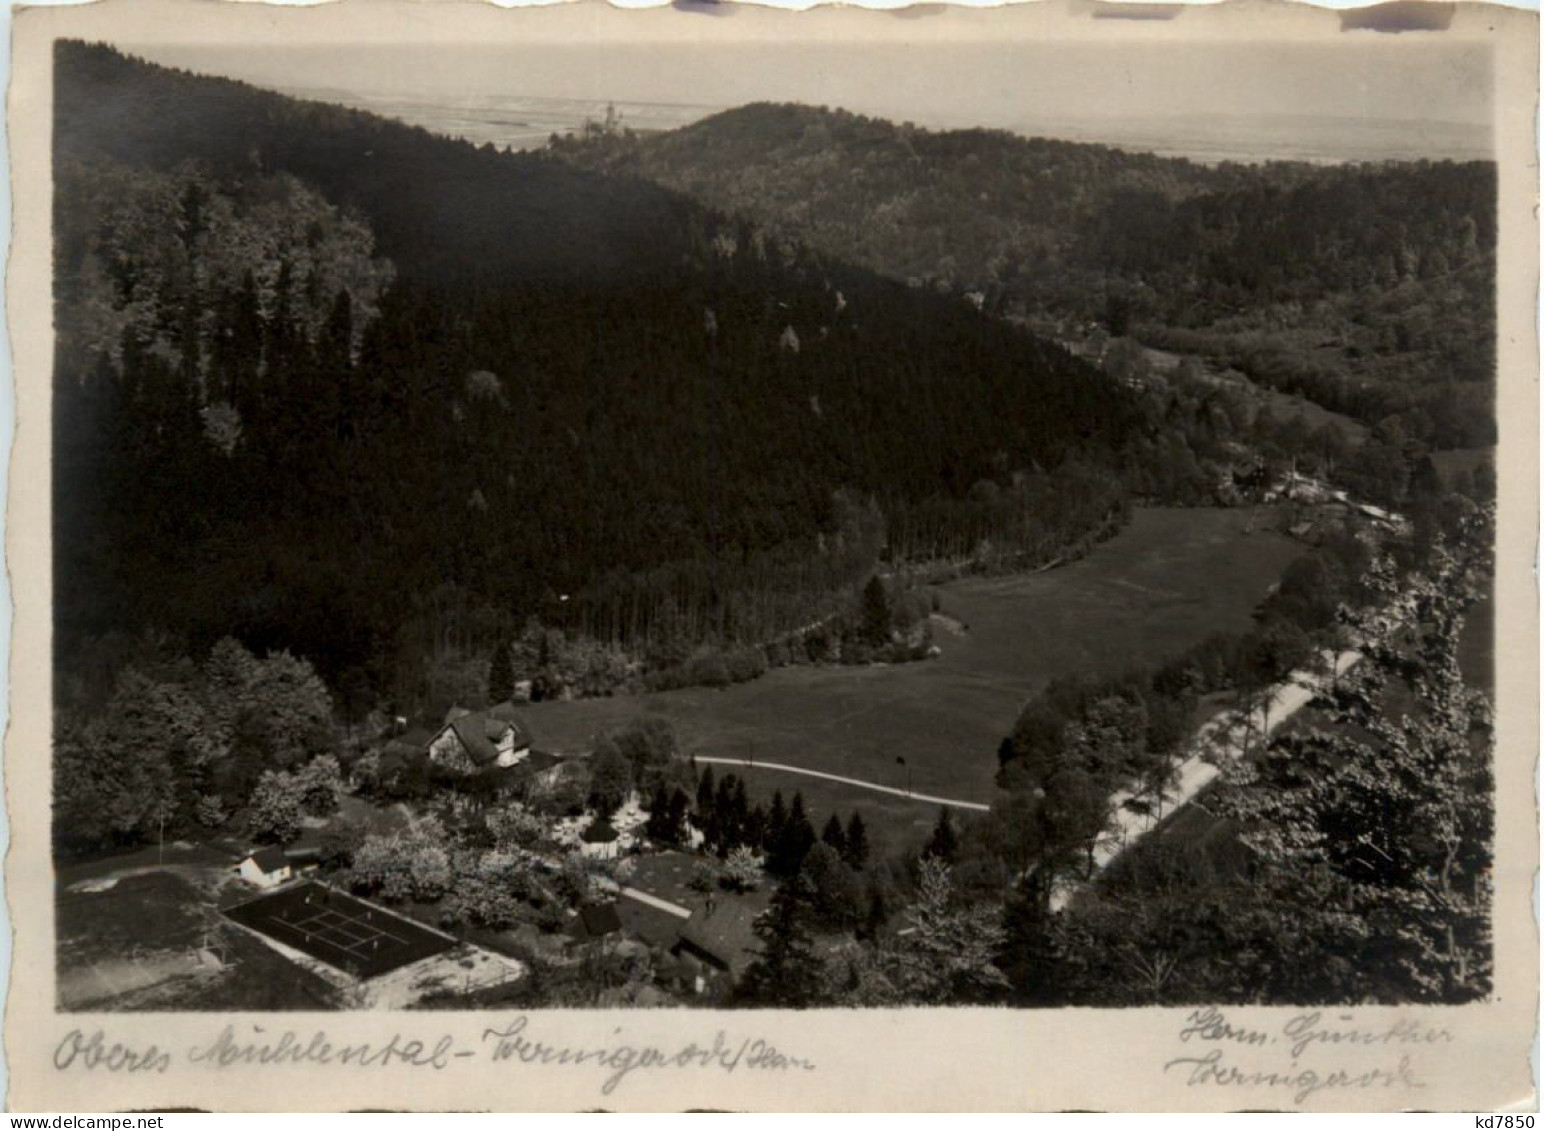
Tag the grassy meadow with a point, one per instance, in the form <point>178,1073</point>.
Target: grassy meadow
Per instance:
<point>1169,579</point>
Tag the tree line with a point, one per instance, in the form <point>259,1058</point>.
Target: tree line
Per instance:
<point>180,748</point>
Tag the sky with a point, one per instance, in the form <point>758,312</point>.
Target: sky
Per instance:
<point>932,83</point>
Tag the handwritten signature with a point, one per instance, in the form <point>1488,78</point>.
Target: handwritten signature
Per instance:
<point>1296,1038</point>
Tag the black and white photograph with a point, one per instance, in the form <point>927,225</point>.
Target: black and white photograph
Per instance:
<point>644,523</point>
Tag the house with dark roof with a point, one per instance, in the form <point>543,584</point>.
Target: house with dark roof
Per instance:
<point>705,947</point>
<point>410,743</point>
<point>266,867</point>
<point>595,922</point>
<point>722,937</point>
<point>538,766</point>
<point>650,922</point>
<point>707,939</point>
<point>681,973</point>
<point>404,750</point>
<point>475,741</point>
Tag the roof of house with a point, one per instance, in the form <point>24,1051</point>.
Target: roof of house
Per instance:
<point>538,760</point>
<point>727,936</point>
<point>694,944</point>
<point>474,738</point>
<point>653,925</point>
<point>480,731</point>
<point>270,859</point>
<point>505,712</point>
<point>533,763</point>
<point>494,728</point>
<point>410,741</point>
<point>677,967</point>
<point>597,920</point>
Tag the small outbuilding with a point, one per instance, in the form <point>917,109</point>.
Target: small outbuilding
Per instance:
<point>266,868</point>
<point>599,840</point>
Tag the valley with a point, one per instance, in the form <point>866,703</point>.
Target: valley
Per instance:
<point>760,558</point>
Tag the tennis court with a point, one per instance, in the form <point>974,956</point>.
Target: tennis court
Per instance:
<point>348,934</point>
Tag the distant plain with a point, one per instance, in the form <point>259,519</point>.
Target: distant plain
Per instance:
<point>520,122</point>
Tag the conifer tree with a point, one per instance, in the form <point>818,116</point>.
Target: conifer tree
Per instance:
<point>876,612</point>
<point>728,826</point>
<point>756,829</point>
<point>501,674</point>
<point>943,842</point>
<point>878,914</point>
<point>857,843</point>
<point>787,970</point>
<point>797,838</point>
<point>950,954</point>
<point>834,836</point>
<point>680,805</point>
<point>777,821</point>
<point>659,826</point>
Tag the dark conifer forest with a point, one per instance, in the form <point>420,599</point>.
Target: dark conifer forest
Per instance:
<point>330,383</point>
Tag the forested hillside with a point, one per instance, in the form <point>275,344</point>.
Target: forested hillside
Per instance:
<point>1366,288</point>
<point>333,384</point>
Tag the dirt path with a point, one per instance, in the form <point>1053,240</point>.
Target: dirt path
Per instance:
<point>877,788</point>
<point>204,877</point>
<point>656,902</point>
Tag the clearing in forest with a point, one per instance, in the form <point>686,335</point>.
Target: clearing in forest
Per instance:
<point>1172,577</point>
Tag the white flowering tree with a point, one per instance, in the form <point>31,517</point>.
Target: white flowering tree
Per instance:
<point>950,954</point>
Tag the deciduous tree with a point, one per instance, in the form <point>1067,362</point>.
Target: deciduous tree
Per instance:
<point>742,871</point>
<point>276,808</point>
<point>834,890</point>
<point>320,782</point>
<point>611,780</point>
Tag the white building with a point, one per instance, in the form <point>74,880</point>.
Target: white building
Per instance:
<point>481,740</point>
<point>266,868</point>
